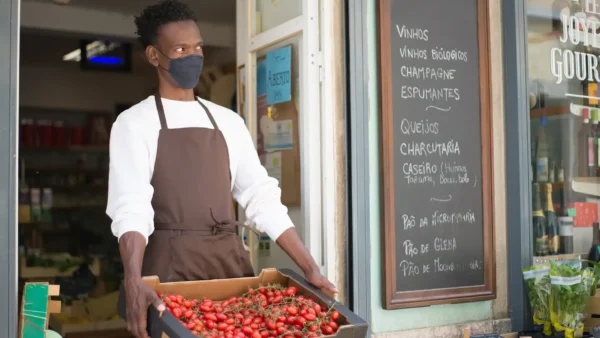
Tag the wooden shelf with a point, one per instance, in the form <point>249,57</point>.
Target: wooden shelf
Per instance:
<point>83,206</point>
<point>546,259</point>
<point>72,188</point>
<point>587,185</point>
<point>91,149</point>
<point>550,111</point>
<point>31,272</point>
<point>67,170</point>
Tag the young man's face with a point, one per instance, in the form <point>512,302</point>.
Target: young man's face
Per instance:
<point>179,39</point>
<point>176,40</point>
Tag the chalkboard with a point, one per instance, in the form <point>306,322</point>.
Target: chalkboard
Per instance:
<point>436,152</point>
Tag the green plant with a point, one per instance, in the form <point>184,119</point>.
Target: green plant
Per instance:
<point>571,288</point>
<point>538,291</point>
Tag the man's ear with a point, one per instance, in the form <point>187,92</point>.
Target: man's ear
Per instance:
<point>152,56</point>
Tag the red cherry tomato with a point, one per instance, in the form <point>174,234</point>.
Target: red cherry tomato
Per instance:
<point>290,291</point>
<point>327,330</point>
<point>211,317</point>
<point>292,310</point>
<point>334,325</point>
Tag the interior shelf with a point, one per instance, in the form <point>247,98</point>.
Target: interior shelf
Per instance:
<point>574,109</point>
<point>587,185</point>
<point>91,148</point>
<point>546,259</point>
<point>550,111</point>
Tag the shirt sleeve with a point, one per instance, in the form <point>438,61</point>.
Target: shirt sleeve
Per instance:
<point>255,191</point>
<point>129,189</point>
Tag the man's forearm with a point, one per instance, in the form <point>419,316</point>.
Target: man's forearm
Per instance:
<point>293,246</point>
<point>132,246</point>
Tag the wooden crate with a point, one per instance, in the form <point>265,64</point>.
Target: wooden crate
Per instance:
<point>85,329</point>
<point>592,308</point>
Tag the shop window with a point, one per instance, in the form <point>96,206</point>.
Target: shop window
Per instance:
<point>563,54</point>
<point>272,13</point>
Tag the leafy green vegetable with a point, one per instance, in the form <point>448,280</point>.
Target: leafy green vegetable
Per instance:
<point>570,291</point>
<point>538,290</point>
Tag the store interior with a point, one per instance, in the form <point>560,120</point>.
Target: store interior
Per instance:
<point>68,101</point>
<point>565,152</point>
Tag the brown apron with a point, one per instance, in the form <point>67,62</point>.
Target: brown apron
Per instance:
<point>195,235</point>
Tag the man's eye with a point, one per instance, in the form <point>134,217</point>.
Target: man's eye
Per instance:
<point>198,47</point>
<point>180,50</point>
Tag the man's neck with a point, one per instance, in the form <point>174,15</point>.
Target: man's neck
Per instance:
<point>177,94</point>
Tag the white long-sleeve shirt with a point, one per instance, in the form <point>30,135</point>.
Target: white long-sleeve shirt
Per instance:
<point>133,144</point>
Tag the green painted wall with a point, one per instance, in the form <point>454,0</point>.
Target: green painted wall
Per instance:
<point>383,320</point>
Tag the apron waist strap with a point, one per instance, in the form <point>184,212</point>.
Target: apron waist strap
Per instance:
<point>227,226</point>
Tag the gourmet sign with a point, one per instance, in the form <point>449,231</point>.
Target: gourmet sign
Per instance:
<point>578,29</point>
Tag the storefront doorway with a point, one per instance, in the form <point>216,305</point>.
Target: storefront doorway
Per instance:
<point>49,94</point>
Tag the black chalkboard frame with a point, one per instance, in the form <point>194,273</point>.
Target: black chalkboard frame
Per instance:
<point>392,299</point>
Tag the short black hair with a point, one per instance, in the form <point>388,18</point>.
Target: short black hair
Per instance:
<point>155,16</point>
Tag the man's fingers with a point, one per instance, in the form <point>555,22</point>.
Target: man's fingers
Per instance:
<point>132,324</point>
<point>325,284</point>
<point>141,324</point>
<point>328,288</point>
<point>157,302</point>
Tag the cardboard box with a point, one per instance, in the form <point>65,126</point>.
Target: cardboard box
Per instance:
<point>168,326</point>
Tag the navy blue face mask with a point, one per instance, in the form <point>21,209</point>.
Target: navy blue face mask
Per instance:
<point>186,70</point>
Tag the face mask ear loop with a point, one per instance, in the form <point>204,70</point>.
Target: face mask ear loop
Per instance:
<point>163,54</point>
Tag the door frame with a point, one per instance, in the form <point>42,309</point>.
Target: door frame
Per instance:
<point>9,96</point>
<point>312,118</point>
<point>357,106</point>
<point>518,183</point>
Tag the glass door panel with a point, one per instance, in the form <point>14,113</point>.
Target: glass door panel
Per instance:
<point>564,114</point>
<point>277,121</point>
<point>272,13</point>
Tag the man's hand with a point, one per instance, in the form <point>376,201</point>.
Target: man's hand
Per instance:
<point>139,297</point>
<point>293,246</point>
<point>317,279</point>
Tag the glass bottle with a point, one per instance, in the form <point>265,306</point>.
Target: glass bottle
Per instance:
<point>551,223</point>
<point>24,197</point>
<point>583,139</point>
<point>542,154</point>
<point>594,254</point>
<point>539,223</point>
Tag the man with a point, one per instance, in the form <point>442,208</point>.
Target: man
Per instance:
<point>176,163</point>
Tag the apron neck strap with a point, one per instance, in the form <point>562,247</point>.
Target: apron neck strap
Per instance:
<point>212,120</point>
<point>161,111</point>
<point>163,120</point>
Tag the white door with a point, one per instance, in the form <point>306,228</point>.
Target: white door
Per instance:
<point>280,39</point>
